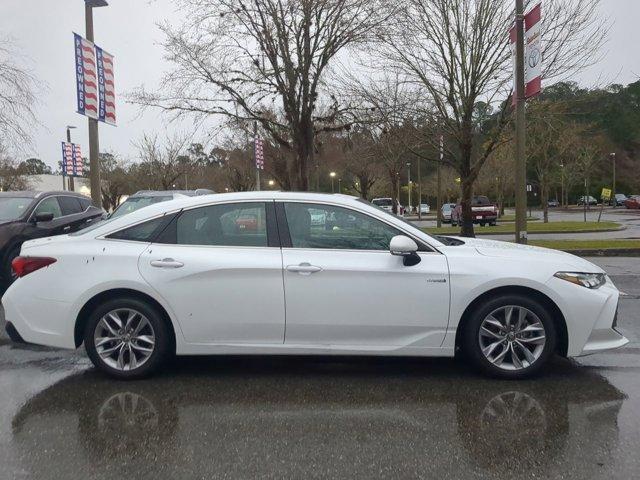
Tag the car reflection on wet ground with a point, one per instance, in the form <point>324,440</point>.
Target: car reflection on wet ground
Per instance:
<point>305,417</point>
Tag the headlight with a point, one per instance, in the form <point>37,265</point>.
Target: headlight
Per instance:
<point>589,280</point>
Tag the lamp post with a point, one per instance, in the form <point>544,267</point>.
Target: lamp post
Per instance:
<point>271,183</point>
<point>562,203</point>
<point>71,183</point>
<point>94,143</point>
<point>332,175</point>
<point>409,185</point>
<point>521,162</point>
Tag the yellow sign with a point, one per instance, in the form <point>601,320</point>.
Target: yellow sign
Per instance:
<point>606,194</point>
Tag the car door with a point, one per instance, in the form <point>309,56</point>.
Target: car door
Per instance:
<point>344,288</point>
<point>221,275</point>
<point>56,226</point>
<point>72,211</point>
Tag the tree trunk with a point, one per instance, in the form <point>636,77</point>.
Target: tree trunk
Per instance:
<point>544,198</point>
<point>466,225</point>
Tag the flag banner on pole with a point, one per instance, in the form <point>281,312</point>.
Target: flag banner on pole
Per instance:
<point>71,159</point>
<point>533,52</point>
<point>86,77</point>
<point>107,105</point>
<point>259,153</point>
<point>95,82</point>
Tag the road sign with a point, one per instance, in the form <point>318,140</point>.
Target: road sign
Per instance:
<point>606,194</point>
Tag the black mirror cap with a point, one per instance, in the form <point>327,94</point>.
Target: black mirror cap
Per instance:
<point>43,217</point>
<point>411,259</point>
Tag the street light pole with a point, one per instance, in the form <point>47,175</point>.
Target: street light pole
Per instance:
<point>94,142</point>
<point>439,181</point>
<point>409,184</point>
<point>332,175</point>
<point>71,182</point>
<point>613,189</point>
<point>521,162</point>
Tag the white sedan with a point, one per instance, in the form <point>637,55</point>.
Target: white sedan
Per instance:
<point>253,273</point>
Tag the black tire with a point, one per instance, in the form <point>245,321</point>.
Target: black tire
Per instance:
<point>492,224</point>
<point>7,271</point>
<point>162,349</point>
<point>482,224</point>
<point>471,343</point>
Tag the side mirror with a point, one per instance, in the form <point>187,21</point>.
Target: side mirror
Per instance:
<point>43,217</point>
<point>405,247</point>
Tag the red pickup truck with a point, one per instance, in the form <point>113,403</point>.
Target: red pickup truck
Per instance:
<point>483,212</point>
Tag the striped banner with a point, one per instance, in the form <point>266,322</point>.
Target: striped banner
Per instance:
<point>107,106</point>
<point>86,77</point>
<point>71,160</point>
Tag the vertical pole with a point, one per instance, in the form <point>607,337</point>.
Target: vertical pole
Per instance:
<point>521,162</point>
<point>94,142</point>
<point>409,186</point>
<point>255,159</point>
<point>613,189</point>
<point>419,190</point>
<point>333,190</point>
<point>71,182</point>
<point>439,199</point>
<point>317,177</point>
<point>562,204</point>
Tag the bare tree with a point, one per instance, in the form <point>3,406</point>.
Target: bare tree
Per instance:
<point>17,98</point>
<point>162,164</point>
<point>457,53</point>
<point>243,59</point>
<point>11,176</point>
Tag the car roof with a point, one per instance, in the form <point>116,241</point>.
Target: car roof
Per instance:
<point>170,206</point>
<point>162,193</point>
<point>39,194</point>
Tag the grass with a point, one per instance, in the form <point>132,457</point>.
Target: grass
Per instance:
<point>569,245</point>
<point>537,227</point>
<point>512,218</point>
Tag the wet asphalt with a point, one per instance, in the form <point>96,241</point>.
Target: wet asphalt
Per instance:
<point>302,417</point>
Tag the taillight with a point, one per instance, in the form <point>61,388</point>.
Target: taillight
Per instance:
<point>25,265</point>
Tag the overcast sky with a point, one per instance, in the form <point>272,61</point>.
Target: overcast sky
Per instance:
<point>42,29</point>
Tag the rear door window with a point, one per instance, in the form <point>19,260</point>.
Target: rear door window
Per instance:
<point>69,205</point>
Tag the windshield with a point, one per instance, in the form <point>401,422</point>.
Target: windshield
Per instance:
<point>12,208</point>
<point>132,204</point>
<point>382,202</point>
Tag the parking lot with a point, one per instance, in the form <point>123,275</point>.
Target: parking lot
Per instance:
<point>295,417</point>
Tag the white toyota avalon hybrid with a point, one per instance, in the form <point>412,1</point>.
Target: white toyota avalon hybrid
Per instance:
<point>302,273</point>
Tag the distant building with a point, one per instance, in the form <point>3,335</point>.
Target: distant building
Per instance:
<point>54,182</point>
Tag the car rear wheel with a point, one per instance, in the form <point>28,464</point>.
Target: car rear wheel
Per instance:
<point>510,336</point>
<point>127,338</point>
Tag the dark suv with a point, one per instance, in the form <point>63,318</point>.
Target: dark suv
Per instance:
<point>28,215</point>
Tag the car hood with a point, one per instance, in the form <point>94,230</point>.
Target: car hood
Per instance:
<point>500,249</point>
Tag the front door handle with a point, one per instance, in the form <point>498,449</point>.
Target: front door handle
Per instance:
<point>166,263</point>
<point>304,268</point>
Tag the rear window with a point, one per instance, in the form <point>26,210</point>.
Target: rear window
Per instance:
<point>480,201</point>
<point>143,232</point>
<point>69,205</point>
<point>382,202</point>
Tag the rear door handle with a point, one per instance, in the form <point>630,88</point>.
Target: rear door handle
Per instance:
<point>304,268</point>
<point>166,263</point>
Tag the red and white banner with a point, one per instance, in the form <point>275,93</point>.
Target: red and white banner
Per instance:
<point>71,159</point>
<point>95,89</point>
<point>532,53</point>
<point>86,77</point>
<point>259,153</point>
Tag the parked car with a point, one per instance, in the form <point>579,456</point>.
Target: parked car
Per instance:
<point>446,211</point>
<point>588,200</point>
<point>632,202</point>
<point>553,203</point>
<point>618,200</point>
<point>424,209</point>
<point>178,278</point>
<point>484,212</point>
<point>28,215</point>
<point>386,204</point>
<point>144,198</point>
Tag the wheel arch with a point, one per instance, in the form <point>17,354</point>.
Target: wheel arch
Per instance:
<point>557,315</point>
<point>93,302</point>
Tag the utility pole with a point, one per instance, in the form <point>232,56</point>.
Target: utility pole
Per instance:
<point>613,189</point>
<point>94,142</point>
<point>71,182</point>
<point>521,162</point>
<point>439,193</point>
<point>255,158</point>
<point>409,185</point>
<point>419,190</point>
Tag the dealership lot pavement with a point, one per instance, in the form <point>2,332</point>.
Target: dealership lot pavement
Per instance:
<point>325,418</point>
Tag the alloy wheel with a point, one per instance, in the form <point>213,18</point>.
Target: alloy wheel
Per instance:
<point>512,337</point>
<point>124,339</point>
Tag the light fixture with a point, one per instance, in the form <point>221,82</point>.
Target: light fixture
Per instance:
<point>95,3</point>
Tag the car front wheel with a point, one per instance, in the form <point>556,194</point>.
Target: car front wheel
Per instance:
<point>127,338</point>
<point>510,336</point>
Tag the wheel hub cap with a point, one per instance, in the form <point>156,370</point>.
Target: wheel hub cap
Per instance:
<point>512,337</point>
<point>124,339</point>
